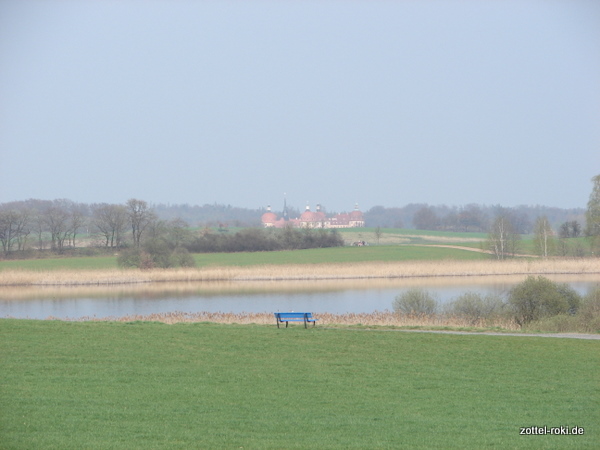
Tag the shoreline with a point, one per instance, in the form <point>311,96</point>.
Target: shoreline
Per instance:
<point>378,270</point>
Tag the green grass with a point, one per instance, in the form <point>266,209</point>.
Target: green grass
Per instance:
<point>336,255</point>
<point>310,256</point>
<point>150,385</point>
<point>370,231</point>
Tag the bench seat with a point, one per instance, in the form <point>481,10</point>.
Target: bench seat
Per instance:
<point>286,317</point>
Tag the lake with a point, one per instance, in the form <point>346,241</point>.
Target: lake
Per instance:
<point>332,296</point>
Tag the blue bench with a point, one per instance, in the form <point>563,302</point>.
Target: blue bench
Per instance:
<point>286,317</point>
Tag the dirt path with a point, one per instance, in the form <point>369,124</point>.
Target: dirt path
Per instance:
<point>491,333</point>
<point>469,249</point>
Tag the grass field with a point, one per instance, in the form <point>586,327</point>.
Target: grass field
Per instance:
<point>149,385</point>
<point>311,256</point>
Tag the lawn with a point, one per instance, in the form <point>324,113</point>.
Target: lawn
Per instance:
<point>310,256</point>
<point>337,255</point>
<point>150,385</point>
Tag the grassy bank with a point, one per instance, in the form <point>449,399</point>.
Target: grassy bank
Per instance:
<point>149,385</point>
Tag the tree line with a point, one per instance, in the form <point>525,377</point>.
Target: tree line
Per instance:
<point>143,238</point>
<point>504,234</point>
<point>58,224</point>
<point>469,218</point>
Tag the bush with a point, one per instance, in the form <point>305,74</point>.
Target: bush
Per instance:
<point>589,312</point>
<point>259,240</point>
<point>561,323</point>
<point>415,302</point>
<point>537,298</point>
<point>155,254</point>
<point>160,253</point>
<point>182,258</point>
<point>130,257</point>
<point>474,307</point>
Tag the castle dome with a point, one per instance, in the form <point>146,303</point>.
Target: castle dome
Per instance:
<point>269,217</point>
<point>356,214</point>
<point>307,216</point>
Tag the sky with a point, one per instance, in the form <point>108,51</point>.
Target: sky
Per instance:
<point>332,102</point>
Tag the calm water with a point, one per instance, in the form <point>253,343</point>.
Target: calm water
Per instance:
<point>330,296</point>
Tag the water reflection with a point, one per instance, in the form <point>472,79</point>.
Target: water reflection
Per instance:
<point>333,296</point>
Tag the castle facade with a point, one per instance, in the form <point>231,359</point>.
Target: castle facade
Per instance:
<point>316,219</point>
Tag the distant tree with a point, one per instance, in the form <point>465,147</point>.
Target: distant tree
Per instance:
<point>378,234</point>
<point>564,231</point>
<point>178,233</point>
<point>502,239</point>
<point>140,216</point>
<point>426,219</point>
<point>109,222</point>
<point>471,218</point>
<point>543,237</point>
<point>592,215</point>
<point>57,222</point>
<point>379,216</point>
<point>14,229</point>
<point>575,228</point>
<point>570,229</point>
<point>78,220</point>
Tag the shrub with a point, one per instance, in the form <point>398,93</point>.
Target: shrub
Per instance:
<point>155,254</point>
<point>561,323</point>
<point>159,251</point>
<point>129,258</point>
<point>182,258</point>
<point>589,312</point>
<point>415,302</point>
<point>475,307</point>
<point>536,298</point>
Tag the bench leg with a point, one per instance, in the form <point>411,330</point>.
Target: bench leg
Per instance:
<point>277,322</point>
<point>286,324</point>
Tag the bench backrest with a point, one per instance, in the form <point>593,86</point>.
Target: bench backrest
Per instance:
<point>293,315</point>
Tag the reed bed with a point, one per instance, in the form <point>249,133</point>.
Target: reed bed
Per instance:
<point>251,287</point>
<point>363,270</point>
<point>376,318</point>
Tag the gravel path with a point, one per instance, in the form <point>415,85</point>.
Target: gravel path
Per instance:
<point>491,333</point>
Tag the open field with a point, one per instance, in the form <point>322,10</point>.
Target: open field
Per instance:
<point>396,236</point>
<point>149,385</point>
<point>310,256</point>
<point>360,270</point>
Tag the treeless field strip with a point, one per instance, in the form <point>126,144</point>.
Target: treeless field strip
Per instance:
<point>368,270</point>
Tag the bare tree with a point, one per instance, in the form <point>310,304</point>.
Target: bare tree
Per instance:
<point>543,237</point>
<point>110,221</point>
<point>426,219</point>
<point>14,229</point>
<point>502,239</point>
<point>140,216</point>
<point>378,234</point>
<point>178,232</point>
<point>57,221</point>
<point>592,216</point>
<point>78,220</point>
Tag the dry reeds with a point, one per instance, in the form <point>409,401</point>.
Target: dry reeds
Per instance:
<point>363,270</point>
<point>376,318</point>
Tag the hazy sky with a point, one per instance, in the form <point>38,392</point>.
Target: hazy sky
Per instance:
<point>332,102</point>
